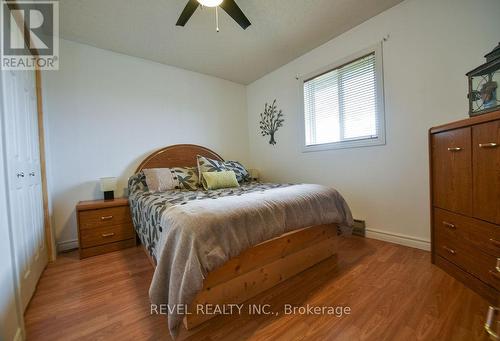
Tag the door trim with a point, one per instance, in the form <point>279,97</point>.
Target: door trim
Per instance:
<point>49,235</point>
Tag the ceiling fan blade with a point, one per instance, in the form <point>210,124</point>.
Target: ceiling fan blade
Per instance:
<point>188,11</point>
<point>235,12</point>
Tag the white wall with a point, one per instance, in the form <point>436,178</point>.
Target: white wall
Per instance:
<point>432,44</point>
<point>106,111</point>
<point>11,323</point>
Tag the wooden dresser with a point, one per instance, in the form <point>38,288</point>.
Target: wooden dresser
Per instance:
<point>104,226</point>
<point>465,199</point>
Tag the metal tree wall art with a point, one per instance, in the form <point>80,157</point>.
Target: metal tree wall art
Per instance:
<point>270,120</point>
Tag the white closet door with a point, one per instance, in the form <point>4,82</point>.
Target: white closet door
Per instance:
<point>25,194</point>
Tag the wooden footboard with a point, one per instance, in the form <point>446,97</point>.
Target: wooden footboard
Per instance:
<point>262,267</point>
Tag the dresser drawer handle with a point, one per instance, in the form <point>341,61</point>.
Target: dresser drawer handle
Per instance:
<point>495,242</point>
<point>454,149</point>
<point>453,252</point>
<point>488,145</point>
<point>107,217</point>
<point>495,274</point>
<point>449,225</point>
<point>492,311</point>
<point>105,235</point>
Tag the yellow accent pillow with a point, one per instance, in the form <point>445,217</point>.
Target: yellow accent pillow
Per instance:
<point>216,180</point>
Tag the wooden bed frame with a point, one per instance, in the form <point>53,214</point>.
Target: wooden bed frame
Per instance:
<point>258,268</point>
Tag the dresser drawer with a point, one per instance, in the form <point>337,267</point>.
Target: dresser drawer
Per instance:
<point>468,257</point>
<point>480,234</point>
<point>106,234</point>
<point>104,217</point>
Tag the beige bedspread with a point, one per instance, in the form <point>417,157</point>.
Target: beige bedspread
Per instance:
<point>201,235</point>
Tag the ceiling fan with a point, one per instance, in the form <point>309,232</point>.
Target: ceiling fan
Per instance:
<point>229,6</point>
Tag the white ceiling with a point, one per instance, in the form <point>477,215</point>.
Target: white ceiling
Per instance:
<point>281,31</point>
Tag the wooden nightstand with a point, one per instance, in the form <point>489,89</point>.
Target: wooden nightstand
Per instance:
<point>104,226</point>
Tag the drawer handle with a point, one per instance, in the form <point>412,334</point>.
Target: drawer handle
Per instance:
<point>454,149</point>
<point>107,217</point>
<point>488,145</point>
<point>449,225</point>
<point>495,242</point>
<point>498,265</point>
<point>495,274</point>
<point>489,322</point>
<point>105,235</point>
<point>453,252</point>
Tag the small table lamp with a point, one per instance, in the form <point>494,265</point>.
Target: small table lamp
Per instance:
<point>108,186</point>
<point>254,174</point>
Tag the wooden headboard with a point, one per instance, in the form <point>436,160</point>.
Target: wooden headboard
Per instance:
<point>178,155</point>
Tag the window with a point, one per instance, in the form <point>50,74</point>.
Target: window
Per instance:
<point>343,103</point>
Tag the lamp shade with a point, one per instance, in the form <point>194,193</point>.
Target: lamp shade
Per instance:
<point>108,184</point>
<point>254,173</point>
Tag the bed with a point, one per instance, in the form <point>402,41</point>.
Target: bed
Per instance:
<point>225,246</point>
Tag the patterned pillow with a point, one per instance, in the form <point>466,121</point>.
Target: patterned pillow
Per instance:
<point>187,176</point>
<point>137,182</point>
<point>242,174</point>
<point>209,165</point>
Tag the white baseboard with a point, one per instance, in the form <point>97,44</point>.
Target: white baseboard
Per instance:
<point>391,237</point>
<point>67,245</point>
<point>397,238</point>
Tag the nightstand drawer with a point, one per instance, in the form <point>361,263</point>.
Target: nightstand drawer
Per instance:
<point>106,234</point>
<point>105,248</point>
<point>104,217</point>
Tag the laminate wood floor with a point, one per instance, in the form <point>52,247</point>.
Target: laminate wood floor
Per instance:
<point>393,291</point>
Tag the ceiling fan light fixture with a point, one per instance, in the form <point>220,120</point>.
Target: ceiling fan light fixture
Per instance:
<point>229,6</point>
<point>210,3</point>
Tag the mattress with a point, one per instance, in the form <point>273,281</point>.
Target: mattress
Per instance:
<point>147,208</point>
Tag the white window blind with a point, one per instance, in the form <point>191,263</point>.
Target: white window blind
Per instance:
<point>341,104</point>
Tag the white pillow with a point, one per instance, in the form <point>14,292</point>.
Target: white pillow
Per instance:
<point>160,179</point>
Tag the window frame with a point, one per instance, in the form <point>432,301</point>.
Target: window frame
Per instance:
<point>379,86</point>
